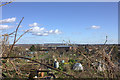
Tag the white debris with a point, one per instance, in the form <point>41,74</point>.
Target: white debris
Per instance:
<point>78,66</point>
<point>35,76</point>
<point>56,64</point>
<point>101,66</point>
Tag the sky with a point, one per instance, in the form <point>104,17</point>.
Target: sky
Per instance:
<point>61,0</point>
<point>53,22</point>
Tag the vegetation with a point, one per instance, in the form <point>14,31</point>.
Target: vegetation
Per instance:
<point>32,48</point>
<point>21,64</point>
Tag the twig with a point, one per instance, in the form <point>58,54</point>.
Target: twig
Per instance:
<point>6,3</point>
<point>7,70</point>
<point>8,34</point>
<point>17,30</point>
<point>106,40</point>
<point>22,35</point>
<point>15,36</point>
<point>14,68</point>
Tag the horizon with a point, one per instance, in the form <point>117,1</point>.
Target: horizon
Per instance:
<point>72,43</point>
<point>79,23</point>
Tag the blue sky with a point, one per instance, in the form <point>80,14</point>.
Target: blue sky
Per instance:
<point>79,22</point>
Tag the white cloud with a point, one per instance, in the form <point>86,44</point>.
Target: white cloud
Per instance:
<point>57,31</point>
<point>35,30</point>
<point>33,25</point>
<point>51,31</point>
<point>9,20</point>
<point>3,27</point>
<point>41,34</point>
<point>95,27</point>
<point>54,31</point>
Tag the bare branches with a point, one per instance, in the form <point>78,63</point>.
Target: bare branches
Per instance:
<point>43,64</point>
<point>111,51</point>
<point>15,36</point>
<point>17,30</point>
<point>6,3</point>
<point>106,40</point>
<point>11,48</point>
<point>7,70</point>
<point>8,34</point>
<point>23,34</point>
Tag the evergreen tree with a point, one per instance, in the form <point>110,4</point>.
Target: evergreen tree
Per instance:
<point>32,48</point>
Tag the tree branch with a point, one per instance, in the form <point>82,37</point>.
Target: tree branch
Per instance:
<point>15,36</point>
<point>6,3</point>
<point>44,65</point>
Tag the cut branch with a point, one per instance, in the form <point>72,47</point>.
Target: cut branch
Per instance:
<point>44,65</point>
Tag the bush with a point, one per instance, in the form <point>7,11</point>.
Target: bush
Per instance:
<point>32,48</point>
<point>4,61</point>
<point>71,61</point>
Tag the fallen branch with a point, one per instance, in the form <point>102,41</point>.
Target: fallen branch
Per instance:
<point>42,64</point>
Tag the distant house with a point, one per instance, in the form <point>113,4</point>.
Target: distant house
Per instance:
<point>58,47</point>
<point>13,46</point>
<point>74,47</point>
<point>26,49</point>
<point>43,48</point>
<point>64,48</point>
<point>51,48</point>
<point>90,49</point>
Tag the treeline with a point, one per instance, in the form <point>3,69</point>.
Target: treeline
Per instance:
<point>36,48</point>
